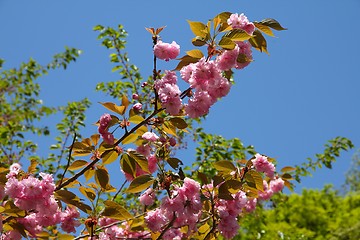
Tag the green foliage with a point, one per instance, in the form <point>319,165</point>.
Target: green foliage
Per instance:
<point>331,152</point>
<point>315,214</point>
<point>21,108</point>
<point>130,75</point>
<point>213,148</point>
<point>352,182</point>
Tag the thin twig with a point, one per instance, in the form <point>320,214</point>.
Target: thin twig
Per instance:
<point>108,226</point>
<point>69,159</point>
<point>120,189</point>
<point>167,227</point>
<point>62,151</point>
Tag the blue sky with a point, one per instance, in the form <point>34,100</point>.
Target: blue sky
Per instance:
<point>287,104</point>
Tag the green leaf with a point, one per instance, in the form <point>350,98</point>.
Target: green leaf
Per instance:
<point>178,122</point>
<point>140,183</point>
<point>195,53</point>
<point>224,166</point>
<point>102,177</point>
<point>272,23</point>
<point>77,165</point>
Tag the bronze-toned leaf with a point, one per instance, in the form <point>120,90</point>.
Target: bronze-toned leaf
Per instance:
<point>178,122</point>
<point>114,108</point>
<point>77,164</point>
<point>95,139</point>
<point>198,41</point>
<point>89,193</point>
<point>174,162</point>
<point>89,174</point>
<point>199,29</point>
<point>258,41</point>
<point>272,23</point>
<point>32,166</point>
<point>136,119</point>
<point>227,43</point>
<point>254,180</point>
<point>224,192</point>
<point>184,61</point>
<point>140,183</point>
<point>140,160</point>
<point>102,177</point>
<point>224,166</point>
<point>265,29</point>
<point>288,169</point>
<point>195,53</point>
<point>130,138</point>
<point>109,156</point>
<point>115,211</point>
<point>128,165</point>
<point>237,35</point>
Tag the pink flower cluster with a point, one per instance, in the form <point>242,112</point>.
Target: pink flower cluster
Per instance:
<point>228,211</point>
<point>37,196</point>
<point>209,84</point>
<point>148,197</point>
<point>241,22</point>
<point>119,232</point>
<point>183,208</point>
<point>166,51</point>
<point>105,120</point>
<point>169,92</point>
<point>229,58</point>
<point>147,149</point>
<point>274,186</point>
<point>262,164</point>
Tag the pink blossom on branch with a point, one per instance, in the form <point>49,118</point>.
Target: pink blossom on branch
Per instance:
<point>241,22</point>
<point>169,93</point>
<point>150,136</point>
<point>262,164</point>
<point>166,51</point>
<point>104,122</point>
